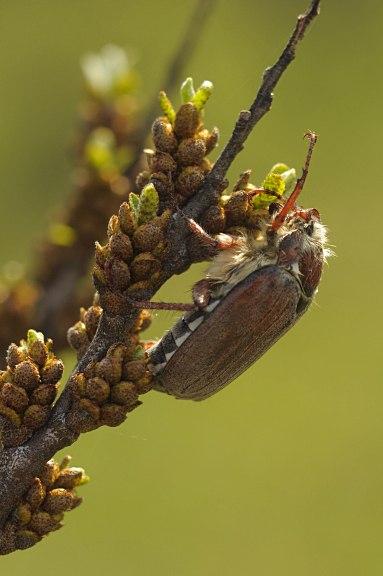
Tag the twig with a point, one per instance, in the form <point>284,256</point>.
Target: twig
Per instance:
<point>19,465</point>
<point>249,118</point>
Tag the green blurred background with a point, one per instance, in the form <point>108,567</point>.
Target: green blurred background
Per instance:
<point>280,473</point>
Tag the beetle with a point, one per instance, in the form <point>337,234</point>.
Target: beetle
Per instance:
<point>256,289</point>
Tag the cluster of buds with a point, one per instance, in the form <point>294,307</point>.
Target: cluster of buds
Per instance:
<point>245,209</point>
<point>107,390</point>
<point>130,262</point>
<point>42,507</point>
<point>178,164</point>
<point>28,388</point>
<point>82,333</point>
<point>248,204</point>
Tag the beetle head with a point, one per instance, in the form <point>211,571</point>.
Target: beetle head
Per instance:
<point>301,248</point>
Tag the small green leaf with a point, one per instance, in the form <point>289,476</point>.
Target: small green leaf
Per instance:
<point>134,201</point>
<point>290,179</point>
<point>202,95</point>
<point>279,168</point>
<point>167,107</point>
<point>32,336</point>
<point>274,183</point>
<point>148,204</point>
<point>187,90</point>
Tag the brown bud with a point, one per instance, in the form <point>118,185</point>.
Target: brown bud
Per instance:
<point>58,500</point>
<point>236,208</point>
<point>124,393</point>
<point>213,219</point>
<point>189,181</point>
<point>143,266</point>
<point>78,339</point>
<point>101,254</point>
<point>14,355</point>
<point>163,184</point>
<point>36,416</point>
<point>26,539</point>
<point>128,222</point>
<point>23,513</point>
<point>99,277</point>
<point>147,236</point>
<point>161,162</point>
<point>44,394</point>
<point>212,140</point>
<point>6,376</point>
<point>90,369</point>
<point>191,151</point>
<point>78,386</point>
<point>145,384</point>
<point>121,246</point>
<point>133,370</point>
<point>35,494</point>
<point>186,121</point>
<point>110,367</point>
<point>97,390</point>
<point>112,302</point>
<point>27,375</point>
<point>14,396</point>
<point>90,407</point>
<point>118,274</point>
<point>243,181</point>
<point>69,478</point>
<point>163,136</point>
<point>80,420</point>
<point>162,221</point>
<point>113,225</point>
<point>112,414</point>
<point>10,414</point>
<point>52,371</point>
<point>38,352</point>
<point>91,320</point>
<point>49,473</point>
<point>42,523</point>
<point>76,502</point>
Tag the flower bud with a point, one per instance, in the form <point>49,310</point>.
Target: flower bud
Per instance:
<point>27,375</point>
<point>186,121</point>
<point>36,416</point>
<point>163,136</point>
<point>144,266</point>
<point>189,181</point>
<point>52,372</point>
<point>14,396</point>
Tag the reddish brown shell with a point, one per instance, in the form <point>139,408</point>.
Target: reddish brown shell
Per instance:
<point>243,326</point>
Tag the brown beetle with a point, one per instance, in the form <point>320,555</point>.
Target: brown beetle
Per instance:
<point>256,288</point>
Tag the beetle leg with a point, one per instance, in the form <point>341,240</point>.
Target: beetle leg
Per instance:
<point>149,305</point>
<point>220,242</point>
<point>201,293</point>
